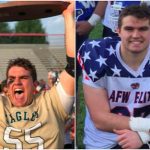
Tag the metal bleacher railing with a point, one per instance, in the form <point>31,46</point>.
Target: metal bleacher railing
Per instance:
<point>44,56</point>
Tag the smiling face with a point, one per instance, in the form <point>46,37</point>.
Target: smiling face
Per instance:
<point>135,34</point>
<point>20,86</point>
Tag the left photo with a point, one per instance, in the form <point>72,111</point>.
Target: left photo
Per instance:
<point>37,77</point>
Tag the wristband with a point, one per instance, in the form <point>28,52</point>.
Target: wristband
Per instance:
<point>139,124</point>
<point>94,19</point>
<point>70,66</point>
<point>145,137</point>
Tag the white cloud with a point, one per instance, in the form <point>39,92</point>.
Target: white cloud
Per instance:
<point>54,25</point>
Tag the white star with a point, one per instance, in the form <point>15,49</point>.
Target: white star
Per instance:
<point>86,56</point>
<point>92,74</point>
<point>95,43</point>
<point>116,71</point>
<point>101,61</point>
<point>111,50</point>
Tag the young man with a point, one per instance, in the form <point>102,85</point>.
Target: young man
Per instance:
<point>115,82</point>
<point>37,121</point>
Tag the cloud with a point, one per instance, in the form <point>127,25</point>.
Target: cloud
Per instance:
<point>54,25</point>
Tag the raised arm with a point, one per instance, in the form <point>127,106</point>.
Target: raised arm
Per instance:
<point>67,80</point>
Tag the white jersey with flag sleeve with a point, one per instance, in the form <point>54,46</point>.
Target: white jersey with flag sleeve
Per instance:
<point>128,90</point>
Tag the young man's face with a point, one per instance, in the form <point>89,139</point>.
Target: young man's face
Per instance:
<point>20,86</point>
<point>135,34</point>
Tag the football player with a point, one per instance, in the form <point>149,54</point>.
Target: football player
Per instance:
<point>37,121</point>
<point>115,82</point>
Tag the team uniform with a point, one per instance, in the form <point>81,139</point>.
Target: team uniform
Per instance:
<point>37,126</point>
<point>111,16</point>
<point>84,10</point>
<point>128,90</point>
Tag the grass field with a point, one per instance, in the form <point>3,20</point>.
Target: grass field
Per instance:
<point>96,33</point>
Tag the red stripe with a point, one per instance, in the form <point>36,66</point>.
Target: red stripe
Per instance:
<point>29,34</point>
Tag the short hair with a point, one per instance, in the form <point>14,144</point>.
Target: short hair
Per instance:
<point>139,11</point>
<point>24,63</point>
<point>3,84</point>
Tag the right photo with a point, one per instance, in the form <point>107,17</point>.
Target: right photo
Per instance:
<point>112,74</point>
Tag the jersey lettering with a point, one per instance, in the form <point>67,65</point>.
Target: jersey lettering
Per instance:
<point>21,116</point>
<point>88,4</point>
<point>124,96</point>
<point>119,96</point>
<point>28,138</point>
<point>142,97</point>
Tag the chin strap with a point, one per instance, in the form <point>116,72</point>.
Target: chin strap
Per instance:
<point>70,66</point>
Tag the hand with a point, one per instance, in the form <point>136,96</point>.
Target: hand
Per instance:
<point>128,139</point>
<point>83,27</point>
<point>70,8</point>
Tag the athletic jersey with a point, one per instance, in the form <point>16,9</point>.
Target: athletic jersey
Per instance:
<point>84,9</point>
<point>37,126</point>
<point>128,90</point>
<point>113,11</point>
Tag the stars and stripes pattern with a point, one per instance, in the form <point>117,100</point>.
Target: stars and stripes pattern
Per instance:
<point>99,58</point>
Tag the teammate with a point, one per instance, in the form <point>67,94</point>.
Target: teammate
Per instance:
<point>88,14</point>
<point>115,83</point>
<point>37,122</point>
<point>112,12</point>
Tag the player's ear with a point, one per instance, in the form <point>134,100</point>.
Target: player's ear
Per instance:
<point>118,30</point>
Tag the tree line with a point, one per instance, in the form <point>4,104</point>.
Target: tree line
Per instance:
<point>28,26</point>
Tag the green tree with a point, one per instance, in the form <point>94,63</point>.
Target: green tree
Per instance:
<point>4,28</point>
<point>30,26</point>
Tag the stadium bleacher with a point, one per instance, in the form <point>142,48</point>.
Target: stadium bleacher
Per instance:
<point>43,56</point>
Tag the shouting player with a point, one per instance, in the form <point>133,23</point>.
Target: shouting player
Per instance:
<point>30,121</point>
<point>116,76</point>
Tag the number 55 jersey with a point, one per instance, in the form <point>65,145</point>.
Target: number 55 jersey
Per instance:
<point>37,126</point>
<point>128,90</point>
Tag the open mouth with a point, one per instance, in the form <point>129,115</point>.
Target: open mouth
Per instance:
<point>19,94</point>
<point>18,91</point>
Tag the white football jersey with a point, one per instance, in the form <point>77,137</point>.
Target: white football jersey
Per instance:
<point>128,90</point>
